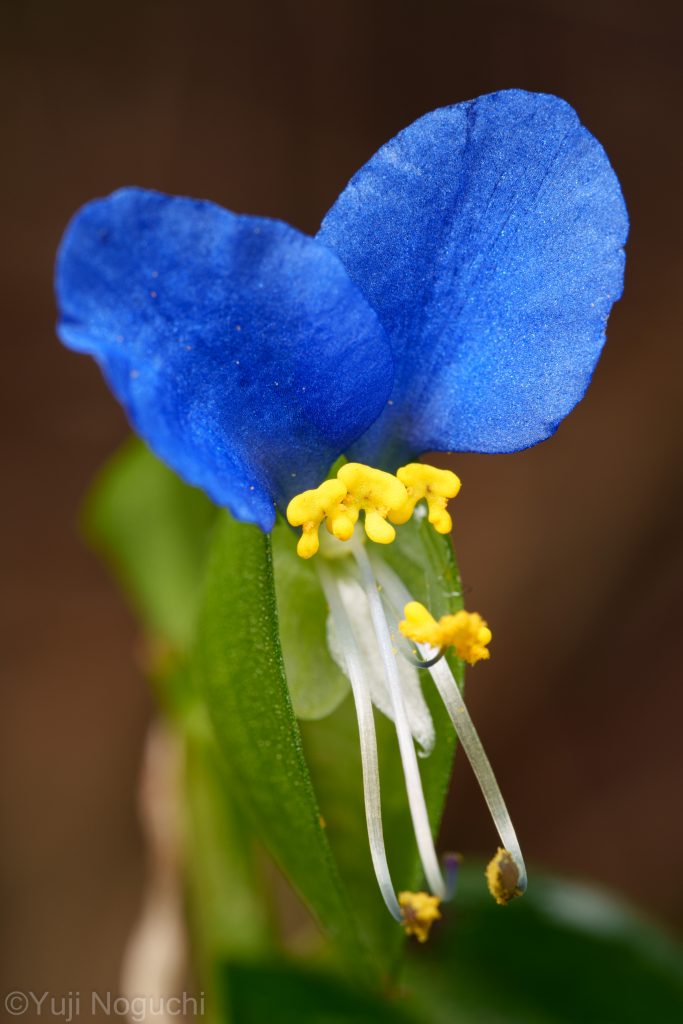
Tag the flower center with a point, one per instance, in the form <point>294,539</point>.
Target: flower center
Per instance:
<point>366,640</point>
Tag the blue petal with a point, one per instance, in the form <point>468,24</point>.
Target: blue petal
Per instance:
<point>488,236</point>
<point>240,349</point>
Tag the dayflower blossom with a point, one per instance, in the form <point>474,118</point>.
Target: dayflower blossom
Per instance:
<point>454,299</point>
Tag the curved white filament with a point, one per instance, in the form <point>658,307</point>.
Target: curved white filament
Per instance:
<point>464,728</point>
<point>411,771</point>
<point>481,766</point>
<point>366,731</point>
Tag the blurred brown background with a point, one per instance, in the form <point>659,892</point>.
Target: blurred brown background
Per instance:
<point>573,550</point>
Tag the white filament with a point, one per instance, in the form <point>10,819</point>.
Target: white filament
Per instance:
<point>464,728</point>
<point>366,730</point>
<point>416,800</point>
<point>355,603</point>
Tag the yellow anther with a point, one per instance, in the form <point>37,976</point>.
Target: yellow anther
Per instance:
<point>420,911</point>
<point>435,485</point>
<point>371,491</point>
<point>502,877</point>
<point>420,626</point>
<point>308,510</point>
<point>465,631</point>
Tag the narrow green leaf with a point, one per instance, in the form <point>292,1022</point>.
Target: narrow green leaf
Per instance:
<point>153,531</point>
<point>239,663</point>
<point>564,953</point>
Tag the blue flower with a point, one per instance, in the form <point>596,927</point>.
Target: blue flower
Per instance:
<point>454,299</point>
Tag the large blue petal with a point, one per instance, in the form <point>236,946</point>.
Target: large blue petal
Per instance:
<point>488,236</point>
<point>240,349</point>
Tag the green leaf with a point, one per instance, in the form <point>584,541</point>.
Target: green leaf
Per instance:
<point>316,684</point>
<point>564,953</point>
<point>240,667</point>
<point>425,562</point>
<point>290,994</point>
<point>153,531</point>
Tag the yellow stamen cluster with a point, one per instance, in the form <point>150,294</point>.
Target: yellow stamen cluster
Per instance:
<point>420,911</point>
<point>465,631</point>
<point>502,877</point>
<point>382,497</point>
<point>435,485</point>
